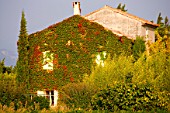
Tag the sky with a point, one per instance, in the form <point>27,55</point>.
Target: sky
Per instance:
<point>43,13</point>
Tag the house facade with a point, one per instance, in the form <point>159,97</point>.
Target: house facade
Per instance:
<point>63,52</point>
<point>123,24</point>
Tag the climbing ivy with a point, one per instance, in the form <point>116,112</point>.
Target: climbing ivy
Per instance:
<point>73,43</point>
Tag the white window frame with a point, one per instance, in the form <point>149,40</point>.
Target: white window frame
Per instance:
<point>52,98</point>
<point>100,61</point>
<point>47,60</point>
<point>147,33</point>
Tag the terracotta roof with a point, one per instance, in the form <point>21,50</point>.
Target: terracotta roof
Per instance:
<point>145,22</point>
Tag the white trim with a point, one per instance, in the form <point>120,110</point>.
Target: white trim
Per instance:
<point>53,101</point>
<point>47,61</point>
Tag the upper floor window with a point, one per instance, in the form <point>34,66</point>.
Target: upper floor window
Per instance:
<point>47,60</point>
<point>100,57</point>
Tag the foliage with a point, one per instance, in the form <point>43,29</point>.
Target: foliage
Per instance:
<point>115,70</point>
<point>15,94</point>
<point>163,31</point>
<point>127,97</point>
<point>157,65</point>
<point>23,109</point>
<point>42,102</point>
<point>122,7</point>
<point>117,47</point>
<point>159,19</point>
<point>77,95</point>
<point>73,43</point>
<point>10,91</point>
<point>22,63</point>
<point>10,109</point>
<point>153,70</point>
<point>5,69</point>
<point>138,47</point>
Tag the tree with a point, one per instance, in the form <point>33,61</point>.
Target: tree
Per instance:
<point>2,65</point>
<point>163,32</point>
<point>23,47</point>
<point>166,21</point>
<point>122,7</point>
<point>159,19</point>
<point>5,69</point>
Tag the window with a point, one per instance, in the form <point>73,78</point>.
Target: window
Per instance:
<point>100,57</point>
<point>51,95</point>
<point>147,33</point>
<point>69,43</point>
<point>47,60</point>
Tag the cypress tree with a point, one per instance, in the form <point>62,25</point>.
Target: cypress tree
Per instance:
<point>23,46</point>
<point>119,6</point>
<point>2,65</point>
<point>159,19</point>
<point>122,7</point>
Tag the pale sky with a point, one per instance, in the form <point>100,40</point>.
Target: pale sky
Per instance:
<point>42,13</point>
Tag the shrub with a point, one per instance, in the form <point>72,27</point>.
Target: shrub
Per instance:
<point>41,101</point>
<point>10,91</point>
<point>77,95</point>
<point>138,47</point>
<point>114,70</point>
<point>153,69</point>
<point>127,97</point>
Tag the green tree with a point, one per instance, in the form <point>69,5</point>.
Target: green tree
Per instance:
<point>119,6</point>
<point>23,47</point>
<point>5,69</point>
<point>166,21</point>
<point>122,7</point>
<point>2,65</point>
<point>159,19</point>
<point>163,31</point>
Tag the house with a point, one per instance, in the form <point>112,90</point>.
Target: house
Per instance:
<point>123,24</point>
<point>63,52</point>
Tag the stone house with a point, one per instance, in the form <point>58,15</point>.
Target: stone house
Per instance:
<point>123,24</point>
<point>119,22</point>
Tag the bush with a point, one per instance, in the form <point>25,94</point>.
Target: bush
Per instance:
<point>153,69</point>
<point>41,101</point>
<point>138,47</point>
<point>114,71</point>
<point>127,97</point>
<point>10,91</point>
<point>77,95</point>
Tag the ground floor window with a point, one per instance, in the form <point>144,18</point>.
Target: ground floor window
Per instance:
<point>52,95</point>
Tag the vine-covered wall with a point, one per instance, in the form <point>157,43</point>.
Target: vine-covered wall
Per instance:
<point>73,43</point>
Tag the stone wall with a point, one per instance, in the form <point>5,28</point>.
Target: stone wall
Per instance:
<point>119,24</point>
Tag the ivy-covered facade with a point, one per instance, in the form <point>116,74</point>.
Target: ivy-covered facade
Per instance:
<point>65,51</point>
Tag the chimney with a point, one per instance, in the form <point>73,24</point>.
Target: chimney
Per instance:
<point>76,7</point>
